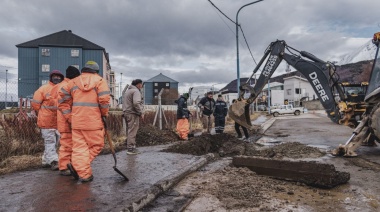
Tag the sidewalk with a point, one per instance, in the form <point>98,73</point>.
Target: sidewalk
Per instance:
<point>150,173</point>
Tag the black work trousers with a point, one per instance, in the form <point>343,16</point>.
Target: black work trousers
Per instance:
<point>220,122</point>
<point>238,130</point>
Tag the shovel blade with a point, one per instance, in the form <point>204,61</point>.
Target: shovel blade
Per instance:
<point>119,172</point>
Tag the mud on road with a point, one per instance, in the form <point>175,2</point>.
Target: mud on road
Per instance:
<point>221,187</point>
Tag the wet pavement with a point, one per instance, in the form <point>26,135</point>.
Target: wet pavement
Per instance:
<point>316,130</point>
<point>149,173</point>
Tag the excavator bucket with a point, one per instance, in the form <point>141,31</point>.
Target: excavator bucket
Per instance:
<point>239,112</point>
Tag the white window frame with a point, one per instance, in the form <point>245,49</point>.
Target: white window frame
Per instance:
<point>156,90</point>
<point>45,52</point>
<point>43,82</point>
<point>155,84</point>
<point>167,84</point>
<point>45,68</point>
<point>74,52</point>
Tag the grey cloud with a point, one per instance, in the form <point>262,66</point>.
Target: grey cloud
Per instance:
<point>146,37</point>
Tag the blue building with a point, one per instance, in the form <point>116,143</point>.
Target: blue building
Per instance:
<point>38,57</point>
<point>154,85</point>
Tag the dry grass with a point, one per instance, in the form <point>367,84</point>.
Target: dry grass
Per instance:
<point>21,145</point>
<point>18,163</point>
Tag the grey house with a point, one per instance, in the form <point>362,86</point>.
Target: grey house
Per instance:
<point>38,57</point>
<point>154,85</point>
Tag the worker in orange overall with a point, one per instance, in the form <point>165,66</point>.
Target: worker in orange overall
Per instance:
<point>45,106</point>
<point>63,126</point>
<point>85,103</point>
<point>183,114</point>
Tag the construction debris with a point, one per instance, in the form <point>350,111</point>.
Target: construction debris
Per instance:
<point>308,172</point>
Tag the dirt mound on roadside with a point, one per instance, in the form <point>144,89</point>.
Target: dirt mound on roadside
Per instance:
<point>289,150</point>
<point>224,144</point>
<point>149,135</point>
<point>242,188</point>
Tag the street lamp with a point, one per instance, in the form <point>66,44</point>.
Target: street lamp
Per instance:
<point>237,44</point>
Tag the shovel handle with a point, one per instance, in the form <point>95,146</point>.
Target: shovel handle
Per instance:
<point>112,149</point>
<point>109,139</point>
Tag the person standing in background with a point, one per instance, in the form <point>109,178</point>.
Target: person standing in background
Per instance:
<point>220,114</point>
<point>133,110</point>
<point>207,106</point>
<point>183,117</point>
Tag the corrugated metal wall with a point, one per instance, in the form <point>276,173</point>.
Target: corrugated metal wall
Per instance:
<point>148,93</point>
<point>27,71</point>
<point>30,61</point>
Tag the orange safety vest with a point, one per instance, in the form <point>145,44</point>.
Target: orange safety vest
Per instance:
<point>46,105</point>
<point>62,124</point>
<point>85,99</point>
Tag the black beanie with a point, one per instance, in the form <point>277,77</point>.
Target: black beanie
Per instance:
<point>72,72</point>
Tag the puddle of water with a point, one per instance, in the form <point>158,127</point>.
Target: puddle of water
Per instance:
<point>259,120</point>
<point>267,141</point>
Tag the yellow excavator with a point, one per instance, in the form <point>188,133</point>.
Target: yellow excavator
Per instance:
<point>352,109</point>
<point>325,82</point>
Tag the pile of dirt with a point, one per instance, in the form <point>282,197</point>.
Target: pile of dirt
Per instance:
<point>149,135</point>
<point>224,144</point>
<point>287,150</point>
<point>240,189</point>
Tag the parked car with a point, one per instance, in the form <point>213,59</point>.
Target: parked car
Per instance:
<point>287,109</point>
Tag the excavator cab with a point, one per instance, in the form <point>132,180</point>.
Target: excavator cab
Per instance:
<point>352,108</point>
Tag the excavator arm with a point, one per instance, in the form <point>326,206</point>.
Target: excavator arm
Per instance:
<point>319,73</point>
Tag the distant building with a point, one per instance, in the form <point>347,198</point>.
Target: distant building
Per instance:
<point>229,92</point>
<point>276,93</point>
<point>154,85</point>
<point>38,57</point>
<point>297,89</point>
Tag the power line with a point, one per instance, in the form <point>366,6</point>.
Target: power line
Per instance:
<point>221,12</point>
<point>247,44</point>
<point>225,23</point>
<point>232,30</point>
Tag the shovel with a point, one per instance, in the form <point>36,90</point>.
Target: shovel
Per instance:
<point>112,149</point>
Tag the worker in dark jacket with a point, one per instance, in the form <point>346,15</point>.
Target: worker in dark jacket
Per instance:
<point>220,113</point>
<point>207,105</point>
<point>183,117</point>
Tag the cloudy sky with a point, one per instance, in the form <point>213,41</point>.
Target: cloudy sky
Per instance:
<point>189,40</point>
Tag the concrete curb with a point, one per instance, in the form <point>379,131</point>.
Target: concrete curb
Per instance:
<point>166,183</point>
<point>265,126</point>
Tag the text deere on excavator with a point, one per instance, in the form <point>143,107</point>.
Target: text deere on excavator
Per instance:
<point>325,82</point>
